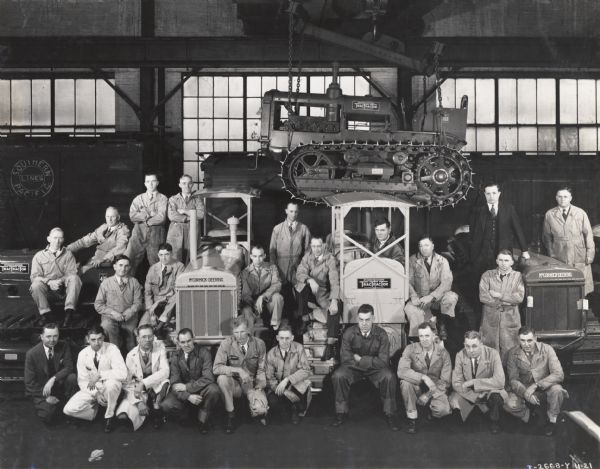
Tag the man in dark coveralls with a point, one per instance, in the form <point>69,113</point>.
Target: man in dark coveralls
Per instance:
<point>365,352</point>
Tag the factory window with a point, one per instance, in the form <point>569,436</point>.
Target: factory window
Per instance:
<point>221,113</point>
<point>529,115</point>
<point>50,106</point>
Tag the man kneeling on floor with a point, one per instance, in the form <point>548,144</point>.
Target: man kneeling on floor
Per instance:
<point>478,380</point>
<point>534,377</point>
<point>288,373</point>
<point>193,388</point>
<point>147,379</point>
<point>365,353</point>
<point>425,372</point>
<point>100,374</point>
<point>240,369</point>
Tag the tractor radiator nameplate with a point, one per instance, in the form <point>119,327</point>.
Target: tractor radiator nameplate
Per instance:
<point>10,267</point>
<point>363,283</point>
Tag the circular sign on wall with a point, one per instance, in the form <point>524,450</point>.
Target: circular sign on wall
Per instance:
<point>32,179</point>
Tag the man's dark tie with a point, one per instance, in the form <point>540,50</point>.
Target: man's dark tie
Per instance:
<point>366,336</point>
<point>96,361</point>
<point>291,228</point>
<point>243,349</point>
<point>427,360</point>
<point>428,264</point>
<point>187,360</point>
<point>474,367</point>
<point>493,211</point>
<point>145,357</point>
<point>51,369</point>
<point>565,214</point>
<point>502,277</point>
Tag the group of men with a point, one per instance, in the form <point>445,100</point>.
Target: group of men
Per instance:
<point>304,271</point>
<point>55,273</point>
<point>147,384</point>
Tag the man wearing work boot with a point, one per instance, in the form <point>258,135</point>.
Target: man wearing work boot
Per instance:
<point>288,373</point>
<point>365,353</point>
<point>318,285</point>
<point>240,370</point>
<point>261,288</point>
<point>159,290</point>
<point>430,283</point>
<point>54,273</point>
<point>425,373</point>
<point>534,377</point>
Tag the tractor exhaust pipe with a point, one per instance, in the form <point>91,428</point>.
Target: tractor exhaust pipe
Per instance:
<point>193,235</point>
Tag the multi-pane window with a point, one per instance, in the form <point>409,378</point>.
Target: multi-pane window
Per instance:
<point>530,115</point>
<point>221,113</point>
<point>49,106</point>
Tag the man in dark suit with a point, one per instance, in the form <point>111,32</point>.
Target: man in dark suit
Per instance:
<point>493,226</point>
<point>193,387</point>
<point>49,377</point>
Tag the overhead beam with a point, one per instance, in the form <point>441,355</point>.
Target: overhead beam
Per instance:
<point>126,52</point>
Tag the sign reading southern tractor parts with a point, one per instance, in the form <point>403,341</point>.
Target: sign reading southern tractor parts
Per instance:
<point>374,283</point>
<point>8,267</point>
<point>365,106</point>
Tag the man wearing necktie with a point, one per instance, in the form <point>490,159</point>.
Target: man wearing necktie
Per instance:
<point>240,370</point>
<point>110,240</point>
<point>478,380</point>
<point>288,373</point>
<point>318,287</point>
<point>147,380</point>
<point>49,378</point>
<point>261,288</point>
<point>101,372</point>
<point>193,388</point>
<point>365,353</point>
<point>494,226</point>
<point>290,240</point>
<point>148,212</point>
<point>54,276</point>
<point>568,237</point>
<point>430,280</point>
<point>118,301</point>
<point>534,377</point>
<point>501,291</point>
<point>425,371</point>
<point>179,228</point>
<point>159,290</point>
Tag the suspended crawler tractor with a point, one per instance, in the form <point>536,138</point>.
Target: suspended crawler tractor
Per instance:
<point>333,143</point>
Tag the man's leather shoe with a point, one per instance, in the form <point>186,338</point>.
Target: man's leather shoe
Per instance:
<point>295,416</point>
<point>68,317</point>
<point>549,429</point>
<point>109,425</point>
<point>412,426</point>
<point>157,419</point>
<point>392,422</point>
<point>229,423</point>
<point>203,428</point>
<point>495,428</point>
<point>338,420</point>
<point>261,420</point>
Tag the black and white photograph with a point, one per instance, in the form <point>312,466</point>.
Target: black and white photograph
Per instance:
<point>299,234</point>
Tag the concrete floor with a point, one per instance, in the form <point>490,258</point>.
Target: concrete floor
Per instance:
<point>363,441</point>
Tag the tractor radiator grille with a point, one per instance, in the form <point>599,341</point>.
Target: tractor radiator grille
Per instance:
<point>206,312</point>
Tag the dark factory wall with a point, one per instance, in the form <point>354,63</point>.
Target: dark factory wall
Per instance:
<point>43,185</point>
